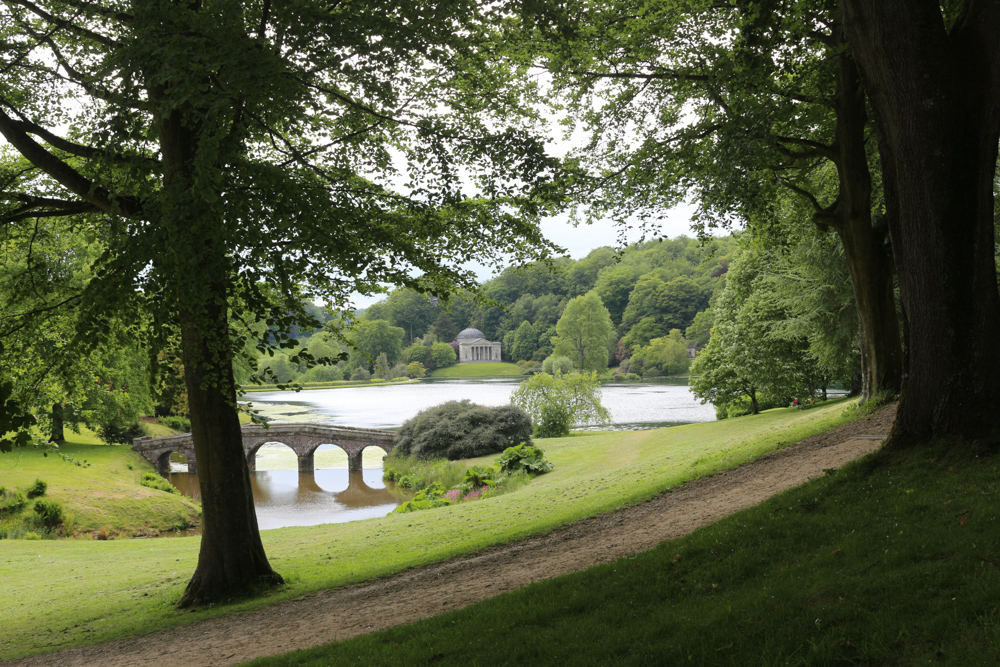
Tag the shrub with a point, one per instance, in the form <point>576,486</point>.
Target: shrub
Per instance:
<point>49,512</point>
<point>154,481</point>
<point>12,502</point>
<point>415,369</point>
<point>120,434</point>
<point>37,490</point>
<point>553,365</point>
<point>461,429</point>
<point>432,496</point>
<point>324,373</point>
<point>524,457</point>
<point>479,476</point>
<point>443,354</point>
<point>420,354</point>
<point>178,423</point>
<point>360,375</point>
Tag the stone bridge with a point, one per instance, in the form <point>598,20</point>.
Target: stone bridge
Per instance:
<point>303,439</point>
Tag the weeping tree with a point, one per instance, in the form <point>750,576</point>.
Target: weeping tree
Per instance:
<point>241,159</point>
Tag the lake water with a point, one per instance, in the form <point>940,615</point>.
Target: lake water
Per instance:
<point>285,497</point>
<point>632,405</point>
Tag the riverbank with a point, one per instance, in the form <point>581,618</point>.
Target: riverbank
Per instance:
<point>99,488</point>
<point>61,595</point>
<point>483,369</point>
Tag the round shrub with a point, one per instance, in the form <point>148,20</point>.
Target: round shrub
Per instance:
<point>462,430</point>
<point>323,373</point>
<point>360,374</point>
<point>554,364</point>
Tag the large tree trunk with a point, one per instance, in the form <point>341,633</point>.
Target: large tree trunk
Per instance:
<point>231,562</point>
<point>936,100</point>
<point>58,433</point>
<point>869,263</point>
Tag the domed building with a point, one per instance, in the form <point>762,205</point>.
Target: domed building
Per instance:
<point>473,347</point>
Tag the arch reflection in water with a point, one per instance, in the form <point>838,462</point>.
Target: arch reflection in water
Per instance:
<point>290,498</point>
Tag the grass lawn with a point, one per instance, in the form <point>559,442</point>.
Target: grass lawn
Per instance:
<point>892,560</point>
<point>478,370</point>
<point>59,593</point>
<point>103,495</point>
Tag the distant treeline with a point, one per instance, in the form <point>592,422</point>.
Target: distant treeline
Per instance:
<point>649,290</point>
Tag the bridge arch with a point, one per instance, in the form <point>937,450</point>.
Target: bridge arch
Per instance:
<point>328,455</point>
<point>303,439</point>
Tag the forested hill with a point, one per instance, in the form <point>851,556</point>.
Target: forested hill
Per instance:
<point>653,288</point>
<point>648,289</point>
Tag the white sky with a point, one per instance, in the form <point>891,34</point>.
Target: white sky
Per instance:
<point>580,240</point>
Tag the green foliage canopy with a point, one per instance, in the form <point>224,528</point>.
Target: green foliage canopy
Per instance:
<point>584,332</point>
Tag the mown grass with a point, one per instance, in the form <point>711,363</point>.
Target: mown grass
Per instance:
<point>477,370</point>
<point>893,560</point>
<point>60,593</point>
<point>103,497</point>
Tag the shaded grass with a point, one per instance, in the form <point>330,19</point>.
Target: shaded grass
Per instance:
<point>61,595</point>
<point>894,560</point>
<point>477,370</point>
<point>107,494</point>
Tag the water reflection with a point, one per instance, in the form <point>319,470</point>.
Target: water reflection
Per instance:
<point>290,498</point>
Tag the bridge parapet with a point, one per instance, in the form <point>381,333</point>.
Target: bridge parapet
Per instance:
<point>303,439</point>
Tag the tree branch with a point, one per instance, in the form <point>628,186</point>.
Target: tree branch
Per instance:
<point>68,25</point>
<point>64,174</point>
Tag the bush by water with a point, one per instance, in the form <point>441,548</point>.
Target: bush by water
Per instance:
<point>463,430</point>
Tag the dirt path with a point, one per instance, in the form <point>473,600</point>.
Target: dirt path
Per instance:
<point>353,610</point>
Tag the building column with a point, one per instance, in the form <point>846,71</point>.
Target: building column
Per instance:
<point>307,462</point>
<point>354,461</point>
<point>252,462</point>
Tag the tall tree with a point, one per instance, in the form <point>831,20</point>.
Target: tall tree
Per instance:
<point>932,72</point>
<point>729,103</point>
<point>584,331</point>
<point>238,155</point>
<point>748,357</point>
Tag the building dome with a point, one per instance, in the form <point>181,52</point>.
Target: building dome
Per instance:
<point>470,333</point>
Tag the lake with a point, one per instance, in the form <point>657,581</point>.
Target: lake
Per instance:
<point>632,405</point>
<point>285,497</point>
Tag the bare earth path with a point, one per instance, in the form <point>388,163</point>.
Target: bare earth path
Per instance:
<point>350,611</point>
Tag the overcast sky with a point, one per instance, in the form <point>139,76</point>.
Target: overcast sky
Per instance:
<point>580,240</point>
